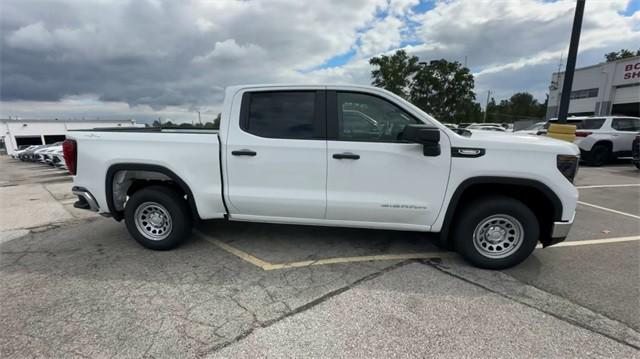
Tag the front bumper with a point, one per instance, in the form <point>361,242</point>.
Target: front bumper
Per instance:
<point>559,231</point>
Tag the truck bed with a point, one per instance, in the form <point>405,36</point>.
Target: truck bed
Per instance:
<point>179,151</point>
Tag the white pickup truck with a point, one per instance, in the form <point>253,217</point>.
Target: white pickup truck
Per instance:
<point>352,156</point>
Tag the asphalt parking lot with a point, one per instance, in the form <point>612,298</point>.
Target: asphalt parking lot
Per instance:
<point>74,284</point>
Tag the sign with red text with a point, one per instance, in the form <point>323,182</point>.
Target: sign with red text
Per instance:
<point>627,72</point>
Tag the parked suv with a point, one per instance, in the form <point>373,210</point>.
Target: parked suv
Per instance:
<point>604,138</point>
<point>636,151</point>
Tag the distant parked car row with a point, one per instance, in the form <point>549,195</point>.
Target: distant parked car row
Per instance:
<point>603,138</point>
<point>495,127</point>
<point>51,154</point>
<point>600,138</point>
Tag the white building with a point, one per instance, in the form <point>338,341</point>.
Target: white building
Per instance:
<point>603,89</point>
<point>18,133</point>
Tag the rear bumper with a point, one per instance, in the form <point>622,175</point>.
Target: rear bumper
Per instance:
<point>85,199</point>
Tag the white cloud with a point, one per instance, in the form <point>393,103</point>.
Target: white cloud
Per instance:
<point>31,37</point>
<point>383,35</point>
<point>166,54</point>
<point>229,50</point>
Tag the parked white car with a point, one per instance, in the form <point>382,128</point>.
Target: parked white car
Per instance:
<point>57,157</point>
<point>16,154</point>
<point>297,154</point>
<point>44,154</point>
<point>531,130</point>
<point>604,138</point>
<point>481,127</point>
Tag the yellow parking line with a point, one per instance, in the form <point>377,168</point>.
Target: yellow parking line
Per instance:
<point>267,266</point>
<point>236,252</point>
<point>381,257</point>
<point>273,266</point>
<point>609,210</point>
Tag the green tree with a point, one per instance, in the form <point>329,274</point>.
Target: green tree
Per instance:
<point>216,122</point>
<point>443,88</point>
<point>394,73</point>
<point>521,105</point>
<point>468,112</point>
<point>622,54</point>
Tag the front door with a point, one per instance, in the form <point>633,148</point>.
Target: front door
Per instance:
<point>372,176</point>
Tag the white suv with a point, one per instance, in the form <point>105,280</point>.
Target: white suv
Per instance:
<point>604,138</point>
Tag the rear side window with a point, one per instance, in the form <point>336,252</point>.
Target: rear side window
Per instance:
<point>282,114</point>
<point>626,124</point>
<point>590,124</point>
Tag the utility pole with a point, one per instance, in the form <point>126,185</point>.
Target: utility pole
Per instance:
<point>486,107</point>
<point>571,62</point>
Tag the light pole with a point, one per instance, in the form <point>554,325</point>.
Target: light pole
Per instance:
<point>571,62</point>
<point>486,107</point>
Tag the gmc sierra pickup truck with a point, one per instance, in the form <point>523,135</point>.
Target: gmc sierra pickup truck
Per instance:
<point>352,156</point>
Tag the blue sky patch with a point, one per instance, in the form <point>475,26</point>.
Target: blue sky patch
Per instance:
<point>632,7</point>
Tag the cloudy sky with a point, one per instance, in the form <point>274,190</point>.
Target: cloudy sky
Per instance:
<point>145,59</point>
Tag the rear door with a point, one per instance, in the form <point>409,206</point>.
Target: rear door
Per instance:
<point>276,155</point>
<point>625,130</point>
<point>372,176</point>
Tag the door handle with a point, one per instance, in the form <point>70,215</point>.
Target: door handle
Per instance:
<point>346,156</point>
<point>244,152</point>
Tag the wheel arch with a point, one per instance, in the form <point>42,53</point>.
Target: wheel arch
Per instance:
<point>607,143</point>
<point>173,181</point>
<point>535,194</point>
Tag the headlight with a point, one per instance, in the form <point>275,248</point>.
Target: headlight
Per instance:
<point>568,166</point>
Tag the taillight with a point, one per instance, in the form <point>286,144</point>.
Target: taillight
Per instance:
<point>583,133</point>
<point>70,152</point>
<point>568,166</point>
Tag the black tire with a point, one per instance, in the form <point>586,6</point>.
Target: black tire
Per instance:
<point>516,217</point>
<point>599,155</point>
<point>165,205</point>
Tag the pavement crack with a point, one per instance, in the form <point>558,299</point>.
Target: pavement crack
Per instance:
<point>154,337</point>
<point>511,288</point>
<point>305,307</point>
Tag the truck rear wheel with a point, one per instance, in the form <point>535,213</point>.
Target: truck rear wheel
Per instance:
<point>158,218</point>
<point>496,232</point>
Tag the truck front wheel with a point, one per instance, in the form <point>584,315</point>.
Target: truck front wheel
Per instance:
<point>158,218</point>
<point>496,232</point>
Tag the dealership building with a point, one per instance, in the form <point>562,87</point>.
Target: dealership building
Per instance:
<point>610,88</point>
<point>17,133</point>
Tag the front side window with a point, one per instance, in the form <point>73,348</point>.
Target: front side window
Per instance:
<point>282,114</point>
<point>363,117</point>
<point>626,124</point>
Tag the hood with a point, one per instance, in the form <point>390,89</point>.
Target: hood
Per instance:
<point>516,142</point>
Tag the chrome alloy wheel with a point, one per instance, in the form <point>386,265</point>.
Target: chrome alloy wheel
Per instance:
<point>153,221</point>
<point>498,236</point>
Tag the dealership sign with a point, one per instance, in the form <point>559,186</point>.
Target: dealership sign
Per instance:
<point>628,72</point>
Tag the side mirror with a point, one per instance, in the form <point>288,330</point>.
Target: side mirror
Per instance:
<point>428,136</point>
